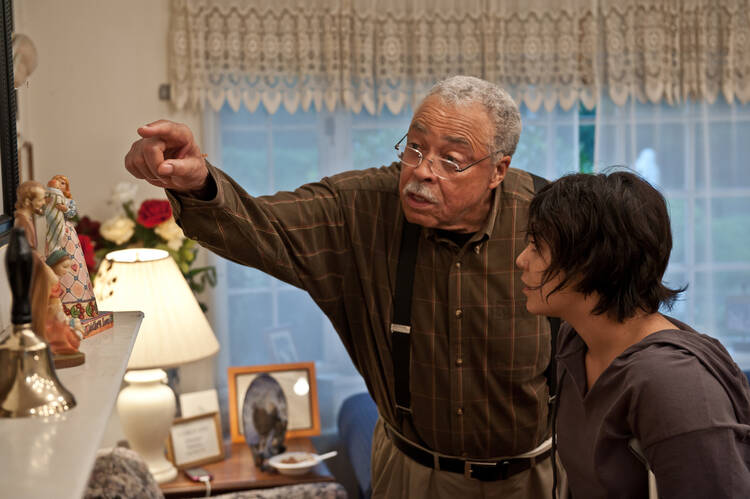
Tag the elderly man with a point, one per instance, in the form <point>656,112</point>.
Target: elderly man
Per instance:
<point>413,263</point>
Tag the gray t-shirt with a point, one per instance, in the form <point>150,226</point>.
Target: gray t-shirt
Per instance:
<point>680,394</point>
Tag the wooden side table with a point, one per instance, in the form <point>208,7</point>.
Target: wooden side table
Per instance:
<point>238,472</point>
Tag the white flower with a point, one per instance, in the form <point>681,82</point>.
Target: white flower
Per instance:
<point>170,232</point>
<point>118,229</point>
<point>124,192</point>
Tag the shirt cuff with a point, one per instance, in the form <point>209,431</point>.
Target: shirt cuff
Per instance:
<point>209,195</point>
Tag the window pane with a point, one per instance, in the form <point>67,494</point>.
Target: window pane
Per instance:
<point>720,157</point>
<point>677,216</point>
<point>566,156</point>
<point>282,117</point>
<point>374,147</point>
<point>245,155</point>
<point>670,157</point>
<point>241,277</point>
<point>730,229</point>
<point>299,312</point>
<point>738,170</point>
<point>587,133</point>
<point>373,137</point>
<point>702,166</point>
<point>729,153</point>
<point>386,117</point>
<point>731,302</point>
<point>242,118</point>
<point>702,235</point>
<point>531,152</point>
<point>701,297</point>
<point>249,314</point>
<point>295,155</point>
<point>548,145</point>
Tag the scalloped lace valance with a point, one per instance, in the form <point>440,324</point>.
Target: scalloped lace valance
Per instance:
<point>371,54</point>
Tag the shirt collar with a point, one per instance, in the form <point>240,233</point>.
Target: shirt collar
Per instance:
<point>485,231</point>
<point>489,224</point>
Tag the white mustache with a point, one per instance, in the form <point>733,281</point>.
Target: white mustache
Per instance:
<point>419,189</point>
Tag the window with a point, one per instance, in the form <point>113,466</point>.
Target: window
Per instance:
<point>267,153</point>
<point>695,154</point>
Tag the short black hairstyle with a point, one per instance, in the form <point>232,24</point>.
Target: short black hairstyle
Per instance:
<point>607,233</point>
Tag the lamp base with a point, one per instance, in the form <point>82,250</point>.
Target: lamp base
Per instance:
<point>146,408</point>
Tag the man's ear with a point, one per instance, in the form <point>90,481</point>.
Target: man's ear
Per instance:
<point>500,169</point>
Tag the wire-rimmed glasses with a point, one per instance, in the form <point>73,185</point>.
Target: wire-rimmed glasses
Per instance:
<point>442,168</point>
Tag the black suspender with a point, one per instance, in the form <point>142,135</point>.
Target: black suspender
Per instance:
<point>401,325</point>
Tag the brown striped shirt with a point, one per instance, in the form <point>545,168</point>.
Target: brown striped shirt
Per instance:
<point>478,356</point>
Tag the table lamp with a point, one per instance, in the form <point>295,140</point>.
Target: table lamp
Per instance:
<point>174,332</point>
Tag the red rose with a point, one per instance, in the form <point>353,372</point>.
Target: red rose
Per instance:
<point>153,212</point>
<point>88,227</point>
<point>88,251</point>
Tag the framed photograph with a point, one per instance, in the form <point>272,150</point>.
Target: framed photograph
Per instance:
<point>297,381</point>
<point>195,441</point>
<point>197,403</point>
<point>281,344</point>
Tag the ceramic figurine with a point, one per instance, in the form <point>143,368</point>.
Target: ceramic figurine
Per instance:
<point>63,334</point>
<point>77,298</point>
<point>48,317</point>
<point>30,203</point>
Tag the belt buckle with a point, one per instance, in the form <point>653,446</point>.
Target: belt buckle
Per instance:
<point>469,464</point>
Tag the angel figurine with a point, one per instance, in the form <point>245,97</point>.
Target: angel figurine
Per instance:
<point>77,298</point>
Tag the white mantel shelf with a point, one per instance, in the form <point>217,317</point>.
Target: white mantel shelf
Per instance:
<point>54,457</point>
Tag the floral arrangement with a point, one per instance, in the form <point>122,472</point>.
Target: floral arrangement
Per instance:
<point>151,226</point>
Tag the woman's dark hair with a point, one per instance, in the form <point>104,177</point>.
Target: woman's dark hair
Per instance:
<point>608,234</point>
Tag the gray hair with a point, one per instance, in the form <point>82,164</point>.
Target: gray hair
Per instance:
<point>502,110</point>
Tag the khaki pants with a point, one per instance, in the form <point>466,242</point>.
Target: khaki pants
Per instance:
<point>395,475</point>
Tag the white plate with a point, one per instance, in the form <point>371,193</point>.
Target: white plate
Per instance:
<point>307,461</point>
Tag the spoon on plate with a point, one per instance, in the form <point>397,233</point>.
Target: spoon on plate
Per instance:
<point>322,457</point>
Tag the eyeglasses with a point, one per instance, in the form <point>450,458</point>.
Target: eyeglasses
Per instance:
<point>442,168</point>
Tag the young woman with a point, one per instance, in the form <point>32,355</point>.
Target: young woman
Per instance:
<point>598,246</point>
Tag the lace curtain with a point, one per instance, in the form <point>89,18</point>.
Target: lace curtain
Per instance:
<point>371,54</point>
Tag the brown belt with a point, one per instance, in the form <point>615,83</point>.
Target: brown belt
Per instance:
<point>486,471</point>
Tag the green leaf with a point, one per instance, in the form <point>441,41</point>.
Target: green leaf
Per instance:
<point>128,207</point>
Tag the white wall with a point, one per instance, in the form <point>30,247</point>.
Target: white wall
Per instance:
<point>100,65</point>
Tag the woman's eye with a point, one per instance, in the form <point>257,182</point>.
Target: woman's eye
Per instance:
<point>448,157</point>
<point>414,145</point>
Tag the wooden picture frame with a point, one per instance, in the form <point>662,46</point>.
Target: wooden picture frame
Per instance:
<point>197,403</point>
<point>195,441</point>
<point>304,418</point>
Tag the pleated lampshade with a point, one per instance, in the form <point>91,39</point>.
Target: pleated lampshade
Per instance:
<point>174,329</point>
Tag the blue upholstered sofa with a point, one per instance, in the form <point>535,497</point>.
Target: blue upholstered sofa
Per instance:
<point>356,423</point>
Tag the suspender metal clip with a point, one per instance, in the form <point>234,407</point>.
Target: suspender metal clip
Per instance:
<point>400,328</point>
